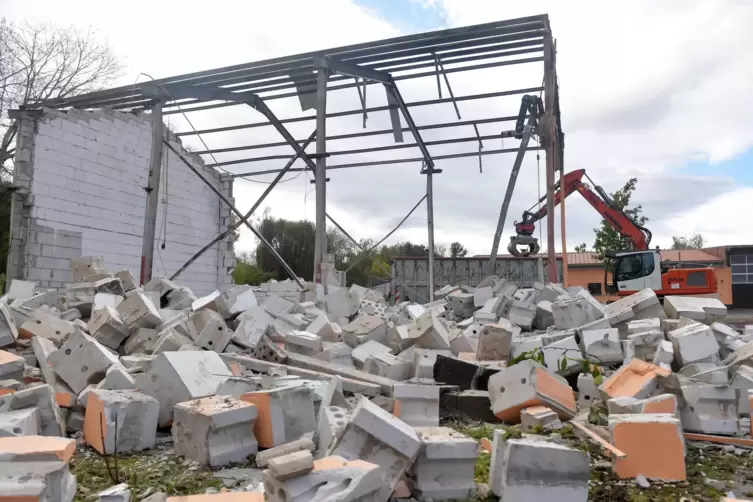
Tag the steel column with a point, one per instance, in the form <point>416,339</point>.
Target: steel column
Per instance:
<point>320,241</point>
<point>430,226</point>
<point>508,193</point>
<point>152,195</point>
<point>549,138</point>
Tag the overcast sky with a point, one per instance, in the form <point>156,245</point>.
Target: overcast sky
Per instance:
<point>655,90</point>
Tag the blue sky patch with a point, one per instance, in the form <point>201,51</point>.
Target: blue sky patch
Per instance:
<point>739,168</point>
<point>408,15</point>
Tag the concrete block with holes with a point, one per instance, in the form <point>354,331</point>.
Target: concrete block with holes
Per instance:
<point>141,341</point>
<point>284,413</point>
<point>81,361</point>
<point>215,430</point>
<point>208,330</point>
<point>87,265</point>
<point>588,391</point>
<point>374,435</point>
<point>46,325</point>
<point>332,421</point>
<point>107,327</point>
<point>175,377</point>
<point>20,423</point>
<point>120,420</point>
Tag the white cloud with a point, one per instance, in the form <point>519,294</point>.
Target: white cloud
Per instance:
<point>645,86</point>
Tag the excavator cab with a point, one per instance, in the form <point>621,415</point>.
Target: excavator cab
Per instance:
<point>633,271</point>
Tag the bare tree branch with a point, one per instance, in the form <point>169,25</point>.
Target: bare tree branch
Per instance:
<point>40,62</point>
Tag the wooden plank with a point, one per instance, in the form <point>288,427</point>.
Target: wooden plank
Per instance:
<point>691,436</point>
<point>591,434</point>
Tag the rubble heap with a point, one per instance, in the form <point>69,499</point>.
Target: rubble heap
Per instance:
<point>339,394</point>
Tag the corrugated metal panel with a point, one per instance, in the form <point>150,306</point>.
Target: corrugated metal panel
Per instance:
<point>411,278</point>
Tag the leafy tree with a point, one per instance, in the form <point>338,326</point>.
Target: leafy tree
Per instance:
<point>440,250</point>
<point>457,250</point>
<point>41,62</point>
<point>607,238</point>
<point>695,242</point>
<point>580,248</point>
<point>246,271</point>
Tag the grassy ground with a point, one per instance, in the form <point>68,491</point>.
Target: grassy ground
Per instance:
<point>729,472</point>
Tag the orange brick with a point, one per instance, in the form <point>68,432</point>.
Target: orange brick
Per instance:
<point>653,443</point>
<point>4,392</point>
<point>235,368</point>
<point>94,427</point>
<point>263,428</point>
<point>636,379</point>
<point>41,448</point>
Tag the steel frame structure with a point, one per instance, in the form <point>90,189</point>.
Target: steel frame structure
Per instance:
<point>311,76</point>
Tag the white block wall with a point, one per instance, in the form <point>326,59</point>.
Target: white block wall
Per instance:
<point>86,174</point>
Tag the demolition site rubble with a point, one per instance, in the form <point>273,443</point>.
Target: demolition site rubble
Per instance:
<point>538,393</point>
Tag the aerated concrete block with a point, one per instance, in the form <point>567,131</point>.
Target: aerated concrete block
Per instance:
<point>375,436</point>
<point>87,265</point>
<point>588,391</point>
<point>332,478</point>
<point>141,341</point>
<point>254,323</point>
<point>663,403</point>
<point>11,366</point>
<point>303,342</point>
<point>417,405</point>
<point>706,372</point>
<point>531,469</point>
<point>525,384</point>
<point>138,311</point>
<point>42,348</point>
<point>341,303</point>
<point>284,414</point>
<point>46,325</point>
<point>34,480</point>
<point>705,310</point>
<point>645,343</point>
<point>126,279</point>
<point>388,366</point>
<point>170,340</point>
<point>694,343</point>
<point>460,303</point>
<point>495,341</point>
<point>710,409</point>
<point>522,314</point>
<point>365,328</point>
<point>20,423</point>
<point>362,352</point>
<point>215,430</point>
<point>127,415</point>
<point>41,397</point>
<point>641,305</point>
<point>107,327</point>
<point>208,330</point>
<point>338,353</point>
<point>574,313</point>
<point>638,436</point>
<point>637,379</point>
<point>176,377</point>
<point>602,346</point>
<point>117,378</point>
<point>444,468</point>
<point>81,361</point>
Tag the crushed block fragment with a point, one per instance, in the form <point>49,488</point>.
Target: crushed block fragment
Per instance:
<point>208,330</point>
<point>444,468</point>
<point>11,366</point>
<point>636,379</point>
<point>214,430</point>
<point>236,300</point>
<point>495,341</point>
<point>141,341</point>
<point>365,328</point>
<point>701,309</point>
<point>388,366</point>
<point>710,409</point>
<point>654,445</point>
<point>602,346</point>
<point>20,423</point>
<point>41,397</point>
<point>107,327</point>
<point>539,416</point>
<point>532,469</point>
<point>46,325</point>
<point>526,384</point>
<point>138,311</point>
<point>263,457</point>
<point>375,436</point>
<point>417,405</point>
<point>694,343</point>
<point>127,415</point>
<point>176,377</point>
<point>291,465</point>
<point>81,361</point>
<point>303,342</point>
<point>284,414</point>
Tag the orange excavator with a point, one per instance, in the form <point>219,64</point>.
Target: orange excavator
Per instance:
<point>633,270</point>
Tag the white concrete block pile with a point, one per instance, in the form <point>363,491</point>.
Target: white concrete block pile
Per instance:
<point>265,371</point>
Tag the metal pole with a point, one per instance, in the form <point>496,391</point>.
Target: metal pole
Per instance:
<point>549,149</point>
<point>152,195</point>
<point>430,227</point>
<point>508,193</point>
<point>320,241</point>
<point>239,215</point>
<point>245,218</point>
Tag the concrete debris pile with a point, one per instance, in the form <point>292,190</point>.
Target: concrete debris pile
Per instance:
<point>339,394</point>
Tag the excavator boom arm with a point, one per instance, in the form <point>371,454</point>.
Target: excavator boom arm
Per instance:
<point>639,236</point>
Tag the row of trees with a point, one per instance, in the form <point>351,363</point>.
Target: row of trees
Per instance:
<point>294,241</point>
<point>608,239</point>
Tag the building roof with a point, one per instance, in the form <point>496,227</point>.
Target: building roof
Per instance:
<point>591,259</point>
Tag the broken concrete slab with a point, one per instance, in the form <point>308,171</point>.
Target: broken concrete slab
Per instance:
<point>417,405</point>
<point>444,468</point>
<point>336,352</point>
<point>8,330</point>
<point>291,465</point>
<point>170,340</point>
<point>526,469</point>
<point>310,363</point>
<point>701,309</point>
<point>564,351</point>
<point>526,384</point>
<point>543,318</point>
<point>638,436</point>
<point>46,325</point>
<point>331,422</point>
<point>215,430</point>
<point>117,378</point>
<point>710,409</point>
<point>743,380</point>
<point>126,419</point>
<point>551,292</point>
<point>176,377</point>
<point>81,361</point>
<point>375,436</point>
<point>284,414</point>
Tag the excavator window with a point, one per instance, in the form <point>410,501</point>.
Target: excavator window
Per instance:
<point>634,266</point>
